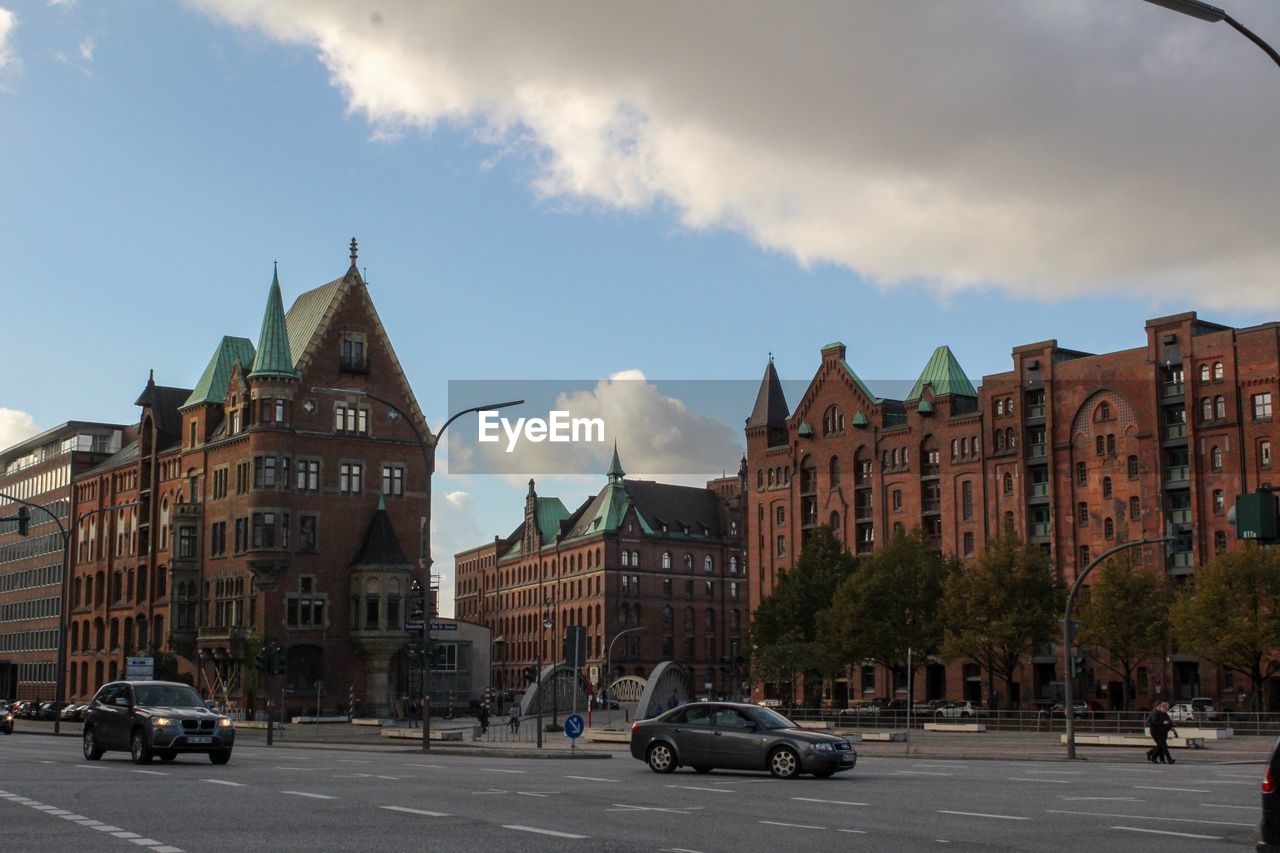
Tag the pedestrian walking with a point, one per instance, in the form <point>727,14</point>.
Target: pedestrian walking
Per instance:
<point>413,714</point>
<point>514,723</point>
<point>484,718</point>
<point>1160,724</point>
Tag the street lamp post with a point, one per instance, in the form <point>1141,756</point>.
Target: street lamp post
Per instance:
<point>608,656</point>
<point>1212,14</point>
<point>547,625</point>
<point>59,689</point>
<point>428,446</point>
<point>1068,632</point>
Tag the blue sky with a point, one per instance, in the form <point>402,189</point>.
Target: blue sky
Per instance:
<point>156,158</point>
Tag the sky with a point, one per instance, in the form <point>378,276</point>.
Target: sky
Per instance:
<point>650,192</point>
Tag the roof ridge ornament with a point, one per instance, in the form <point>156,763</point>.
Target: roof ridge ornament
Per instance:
<point>355,251</point>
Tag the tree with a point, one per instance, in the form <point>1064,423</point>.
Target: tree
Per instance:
<point>998,608</point>
<point>1230,614</point>
<point>784,628</point>
<point>891,603</point>
<point>1127,614</point>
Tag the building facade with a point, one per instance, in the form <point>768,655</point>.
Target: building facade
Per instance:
<point>1077,451</point>
<point>40,471</point>
<point>662,563</point>
<point>267,505</point>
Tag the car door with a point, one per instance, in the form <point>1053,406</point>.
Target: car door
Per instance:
<point>736,741</point>
<point>691,730</point>
<point>113,728</point>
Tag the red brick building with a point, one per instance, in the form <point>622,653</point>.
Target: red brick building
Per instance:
<point>1078,451</point>
<point>256,508</point>
<point>639,554</point>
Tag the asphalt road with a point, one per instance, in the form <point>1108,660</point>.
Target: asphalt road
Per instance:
<point>292,798</point>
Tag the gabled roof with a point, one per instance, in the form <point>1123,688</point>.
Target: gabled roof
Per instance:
<point>548,513</point>
<point>381,548</point>
<point>164,402</point>
<point>862,386</point>
<point>212,386</point>
<point>944,377</point>
<point>307,314</point>
<point>273,356</point>
<point>676,506</point>
<point>771,405</point>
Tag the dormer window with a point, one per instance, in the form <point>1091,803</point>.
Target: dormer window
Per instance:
<point>355,352</point>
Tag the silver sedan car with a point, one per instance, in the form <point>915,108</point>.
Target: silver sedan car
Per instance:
<point>734,736</point>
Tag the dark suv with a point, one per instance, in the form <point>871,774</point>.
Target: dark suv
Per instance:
<point>155,718</point>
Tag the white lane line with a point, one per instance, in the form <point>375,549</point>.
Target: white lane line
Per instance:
<point>1033,779</point>
<point>144,842</point>
<point>832,802</point>
<point>422,812</point>
<point>982,814</point>
<point>522,828</point>
<point>792,825</point>
<point>498,770</point>
<point>59,812</point>
<point>126,834</point>
<point>543,794</point>
<point>919,773</point>
<point>696,788</point>
<point>304,769</point>
<point>1239,776</point>
<point>1183,790</point>
<point>106,827</point>
<point>1166,832</point>
<point>590,779</point>
<point>152,772</point>
<point>353,761</point>
<point>165,848</point>
<point>427,766</point>
<point>89,822</point>
<point>312,796</point>
<point>1229,782</point>
<point>853,831</point>
<point>1227,806</point>
<point>1135,770</point>
<point>1150,817</point>
<point>684,810</point>
<point>1057,772</point>
<point>224,782</point>
<point>1110,799</point>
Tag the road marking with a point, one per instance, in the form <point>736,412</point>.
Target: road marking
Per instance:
<point>353,761</point>
<point>981,814</point>
<point>1226,806</point>
<point>428,766</point>
<point>1114,799</point>
<point>406,810</point>
<point>522,828</point>
<point>95,824</point>
<point>792,825</point>
<point>832,802</point>
<point>696,788</point>
<point>853,831</point>
<point>1050,781</point>
<point>543,794</point>
<point>304,769</point>
<point>124,833</point>
<point>144,842</point>
<point>1056,772</point>
<point>312,796</point>
<point>224,782</point>
<point>590,779</point>
<point>106,827</point>
<point>1229,782</point>
<point>491,791</point>
<point>1166,832</point>
<point>920,773</point>
<point>623,807</point>
<point>1184,790</point>
<point>152,772</point>
<point>60,812</point>
<point>1149,817</point>
<point>497,770</point>
<point>1135,770</point>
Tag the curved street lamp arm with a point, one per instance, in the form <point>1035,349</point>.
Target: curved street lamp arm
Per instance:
<point>1244,31</point>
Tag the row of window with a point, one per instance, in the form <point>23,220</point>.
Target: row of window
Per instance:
<point>29,641</point>
<point>31,578</point>
<point>31,546</point>
<point>32,608</point>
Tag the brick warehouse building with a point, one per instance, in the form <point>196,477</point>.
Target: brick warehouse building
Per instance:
<point>40,470</point>
<point>663,557</point>
<point>255,509</point>
<point>1079,451</point>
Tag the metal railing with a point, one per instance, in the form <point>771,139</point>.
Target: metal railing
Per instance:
<point>1092,722</point>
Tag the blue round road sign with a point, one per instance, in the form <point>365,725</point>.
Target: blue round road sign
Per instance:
<point>573,726</point>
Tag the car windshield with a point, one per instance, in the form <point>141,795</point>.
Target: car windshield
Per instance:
<point>771,719</point>
<point>167,696</point>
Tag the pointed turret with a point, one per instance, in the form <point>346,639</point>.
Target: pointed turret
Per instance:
<point>381,548</point>
<point>944,377</point>
<point>615,472</point>
<point>771,407</point>
<point>273,357</point>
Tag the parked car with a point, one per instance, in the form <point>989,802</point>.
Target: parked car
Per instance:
<point>928,706</point>
<point>73,713</point>
<point>26,709</point>
<point>1204,708</point>
<point>49,711</point>
<point>155,718</point>
<point>963,709</point>
<point>867,708</point>
<point>736,736</point>
<point>6,718</point>
<point>1183,712</point>
<point>1271,802</point>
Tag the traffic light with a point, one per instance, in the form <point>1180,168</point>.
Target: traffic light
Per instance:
<point>24,520</point>
<point>264,662</point>
<point>279,660</point>
<point>1078,662</point>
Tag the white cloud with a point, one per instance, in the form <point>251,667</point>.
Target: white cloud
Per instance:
<point>8,60</point>
<point>15,426</point>
<point>454,528</point>
<point>1049,149</point>
<point>85,51</point>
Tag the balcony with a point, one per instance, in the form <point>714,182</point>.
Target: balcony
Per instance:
<point>1035,412</point>
<point>931,505</point>
<point>1038,490</point>
<point>1171,389</point>
<point>863,513</point>
<point>1180,515</point>
<point>1175,431</point>
<point>1182,560</point>
<point>1036,451</point>
<point>1040,528</point>
<point>1175,475</point>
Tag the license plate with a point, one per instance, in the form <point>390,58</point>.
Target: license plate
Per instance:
<point>199,740</point>
<point>846,759</point>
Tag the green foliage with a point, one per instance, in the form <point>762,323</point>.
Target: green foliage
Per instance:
<point>891,603</point>
<point>1128,615</point>
<point>1230,614</point>
<point>997,608</point>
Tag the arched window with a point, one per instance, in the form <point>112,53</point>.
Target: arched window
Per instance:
<point>1008,483</point>
<point>688,562</point>
<point>635,558</point>
<point>1220,407</point>
<point>1215,458</point>
<point>1103,412</point>
<point>1009,440</point>
<point>1135,508</point>
<point>626,558</point>
<point>666,559</point>
<point>896,457</point>
<point>733,565</point>
<point>1217,370</point>
<point>708,565</point>
<point>999,408</point>
<point>1206,409</point>
<point>832,421</point>
<point>1106,487</point>
<point>771,480</point>
<point>1100,444</point>
<point>999,440</point>
<point>835,521</point>
<point>1082,473</point>
<point>955,449</point>
<point>964,447</point>
<point>667,616</point>
<point>1109,528</point>
<point>833,468</point>
<point>760,479</point>
<point>1204,373</point>
<point>1133,467</point>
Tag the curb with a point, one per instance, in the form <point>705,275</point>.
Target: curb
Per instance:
<point>485,752</point>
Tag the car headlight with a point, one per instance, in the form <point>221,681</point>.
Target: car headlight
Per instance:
<point>824,747</point>
<point>161,721</point>
<point>225,722</point>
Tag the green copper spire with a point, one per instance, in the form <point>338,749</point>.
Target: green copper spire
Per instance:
<point>615,468</point>
<point>944,376</point>
<point>273,357</point>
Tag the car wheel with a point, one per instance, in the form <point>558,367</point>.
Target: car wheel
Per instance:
<point>823,774</point>
<point>138,749</point>
<point>784,763</point>
<point>91,749</point>
<point>220,756</point>
<point>702,769</point>
<point>661,759</point>
<point>168,756</point>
